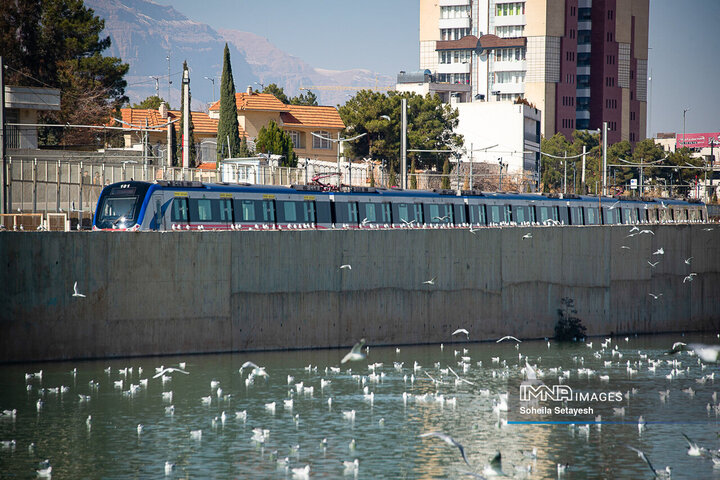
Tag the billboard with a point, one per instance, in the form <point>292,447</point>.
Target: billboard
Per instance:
<point>697,140</point>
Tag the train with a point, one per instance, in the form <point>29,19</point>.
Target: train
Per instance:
<point>191,205</point>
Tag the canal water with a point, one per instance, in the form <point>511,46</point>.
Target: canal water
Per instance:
<point>84,422</point>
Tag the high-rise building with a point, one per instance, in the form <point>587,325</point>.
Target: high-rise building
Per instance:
<point>581,62</point>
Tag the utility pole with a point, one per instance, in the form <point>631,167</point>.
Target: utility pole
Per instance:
<point>169,81</point>
<point>338,160</point>
<point>4,208</point>
<point>403,144</point>
<point>186,116</point>
<point>582,176</point>
<point>604,175</point>
<point>565,173</point>
<point>501,167</point>
<point>471,167</point>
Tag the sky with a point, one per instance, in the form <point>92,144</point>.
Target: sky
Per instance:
<point>382,36</point>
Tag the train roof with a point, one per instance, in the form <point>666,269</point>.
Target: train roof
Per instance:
<point>395,192</point>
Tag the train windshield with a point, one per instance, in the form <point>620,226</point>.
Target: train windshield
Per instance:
<point>119,206</point>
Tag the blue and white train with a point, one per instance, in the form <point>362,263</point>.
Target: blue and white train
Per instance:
<point>182,205</point>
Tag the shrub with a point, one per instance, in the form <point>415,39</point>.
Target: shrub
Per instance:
<point>569,327</point>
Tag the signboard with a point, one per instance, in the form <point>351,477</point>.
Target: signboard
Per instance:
<point>633,184</point>
<point>697,140</point>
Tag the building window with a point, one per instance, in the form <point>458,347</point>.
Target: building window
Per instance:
<point>296,139</point>
<point>455,11</point>
<point>322,143</point>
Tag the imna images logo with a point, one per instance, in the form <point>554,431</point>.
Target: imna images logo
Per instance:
<point>556,393</point>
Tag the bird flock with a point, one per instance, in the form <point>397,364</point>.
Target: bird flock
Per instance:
<point>371,413</point>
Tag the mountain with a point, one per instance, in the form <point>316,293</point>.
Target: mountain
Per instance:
<point>144,33</point>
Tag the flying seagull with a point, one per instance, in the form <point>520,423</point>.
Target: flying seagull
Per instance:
<point>441,219</point>
<point>653,264</point>
<point>356,352</point>
<point>509,337</point>
<point>655,296</point>
<point>614,205</point>
<point>346,266</point>
<point>666,473</point>
<point>169,370</point>
<point>660,251</point>
<point>450,441</point>
<point>527,236</point>
<point>694,450</point>
<point>462,330</point>
<point>687,260</point>
<point>689,278</point>
<point>495,467</point>
<point>677,347</point>
<point>76,293</point>
<point>430,282</point>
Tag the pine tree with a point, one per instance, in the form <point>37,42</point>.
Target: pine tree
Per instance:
<point>228,124</point>
<point>272,139</point>
<point>193,153</point>
<point>173,145</point>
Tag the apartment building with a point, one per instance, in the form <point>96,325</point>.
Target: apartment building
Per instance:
<point>580,62</point>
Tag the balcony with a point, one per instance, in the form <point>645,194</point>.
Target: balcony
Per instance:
<point>510,66</point>
<point>454,23</point>
<point>583,70</point>
<point>585,25</point>
<point>451,3</point>
<point>582,114</point>
<point>584,48</point>
<point>582,93</point>
<point>504,21</point>
<point>453,68</point>
<point>512,88</point>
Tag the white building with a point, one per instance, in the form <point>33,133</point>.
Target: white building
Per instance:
<point>22,105</point>
<point>501,131</point>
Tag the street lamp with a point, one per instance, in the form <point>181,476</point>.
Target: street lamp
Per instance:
<point>157,85</point>
<point>212,79</point>
<point>500,161</point>
<point>685,110</point>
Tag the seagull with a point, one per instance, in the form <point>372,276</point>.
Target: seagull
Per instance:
<point>693,449</point>
<point>614,205</point>
<point>706,353</point>
<point>450,441</point>
<point>441,219</point>
<point>356,353</point>
<point>625,247</point>
<point>462,330</point>
<point>430,282</point>
<point>660,251</point>
<point>689,278</point>
<point>509,337</point>
<point>408,223</point>
<point>351,468</point>
<point>634,229</point>
<point>257,371</point>
<point>653,264</point>
<point>665,474</point>
<point>655,296</point>
<point>687,260</point>
<point>76,293</point>
<point>646,231</point>
<point>364,221</point>
<point>527,236</point>
<point>473,230</point>
<point>45,469</point>
<point>170,370</point>
<point>347,266</point>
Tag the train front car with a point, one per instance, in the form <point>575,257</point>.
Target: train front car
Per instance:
<point>120,206</point>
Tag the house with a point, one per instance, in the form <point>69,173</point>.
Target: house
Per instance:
<point>307,125</point>
<point>22,105</point>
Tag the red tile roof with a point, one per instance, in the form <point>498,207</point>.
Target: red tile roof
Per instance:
<point>202,123</point>
<point>263,102</point>
<point>312,116</point>
<point>207,166</point>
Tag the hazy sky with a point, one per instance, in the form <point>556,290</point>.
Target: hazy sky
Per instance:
<point>382,35</point>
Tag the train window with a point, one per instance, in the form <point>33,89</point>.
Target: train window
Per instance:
<point>546,213</point>
<point>403,212</point>
<point>626,215</point>
<point>309,211</point>
<point>665,214</point>
<point>611,217</point>
<point>203,210</point>
<point>268,211</point>
<point>385,209</point>
<point>681,215</point>
<point>520,214</point>
<point>287,212</point>
<point>507,213</point>
<point>179,210</point>
<point>418,210</point>
<point>368,211</point>
<point>591,216</point>
<point>477,214</point>
<point>439,213</point>
<point>226,212</point>
<point>576,216</point>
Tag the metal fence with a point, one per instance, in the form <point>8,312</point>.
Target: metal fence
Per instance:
<point>43,185</point>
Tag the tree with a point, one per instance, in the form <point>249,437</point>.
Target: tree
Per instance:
<point>616,153</point>
<point>413,176</point>
<point>228,130</point>
<point>57,43</point>
<point>305,99</point>
<point>271,139</point>
<point>153,102</point>
<point>278,92</point>
<point>446,175</point>
<point>430,126</point>
<point>551,173</point>
<point>191,142</point>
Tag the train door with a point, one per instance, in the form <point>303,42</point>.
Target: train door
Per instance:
<point>179,215</point>
<point>226,210</point>
<point>477,214</point>
<point>576,216</point>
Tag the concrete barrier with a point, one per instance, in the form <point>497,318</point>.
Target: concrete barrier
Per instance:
<point>187,292</point>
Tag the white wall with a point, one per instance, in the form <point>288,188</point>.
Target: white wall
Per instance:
<point>484,124</point>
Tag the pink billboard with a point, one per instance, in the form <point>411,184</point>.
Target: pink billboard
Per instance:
<point>697,140</point>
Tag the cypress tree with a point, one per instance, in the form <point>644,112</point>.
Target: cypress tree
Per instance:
<point>413,177</point>
<point>446,175</point>
<point>193,153</point>
<point>272,139</point>
<point>228,123</point>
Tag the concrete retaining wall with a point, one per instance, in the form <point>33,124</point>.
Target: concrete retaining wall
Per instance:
<point>182,292</point>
